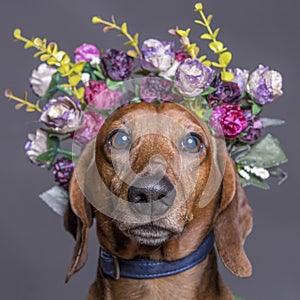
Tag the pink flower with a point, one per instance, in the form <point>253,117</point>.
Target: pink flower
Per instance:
<point>86,52</point>
<point>93,89</point>
<point>92,122</point>
<point>228,120</point>
<point>106,99</point>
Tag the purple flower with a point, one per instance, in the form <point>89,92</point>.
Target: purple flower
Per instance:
<point>240,77</point>
<point>92,122</point>
<point>36,145</point>
<point>226,92</point>
<point>62,171</point>
<point>253,129</point>
<point>86,52</point>
<point>265,85</point>
<point>41,78</point>
<point>192,77</point>
<point>117,65</point>
<point>228,120</point>
<point>156,88</point>
<point>157,56</point>
<point>62,114</point>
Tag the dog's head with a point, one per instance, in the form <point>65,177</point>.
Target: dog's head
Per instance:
<point>155,174</point>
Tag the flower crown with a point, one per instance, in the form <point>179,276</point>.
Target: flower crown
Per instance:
<point>75,97</point>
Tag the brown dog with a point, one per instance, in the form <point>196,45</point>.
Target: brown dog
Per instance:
<point>158,185</point>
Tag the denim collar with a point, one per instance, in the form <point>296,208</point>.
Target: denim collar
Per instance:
<point>142,268</point>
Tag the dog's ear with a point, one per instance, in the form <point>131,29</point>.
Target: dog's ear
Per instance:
<point>78,216</point>
<point>233,223</point>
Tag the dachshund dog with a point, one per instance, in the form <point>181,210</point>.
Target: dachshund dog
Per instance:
<point>160,188</point>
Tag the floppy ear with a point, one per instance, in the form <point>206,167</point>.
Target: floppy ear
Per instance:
<point>78,217</point>
<point>233,223</point>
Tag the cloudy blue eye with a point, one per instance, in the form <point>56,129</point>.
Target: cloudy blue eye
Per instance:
<point>120,140</point>
<point>192,143</point>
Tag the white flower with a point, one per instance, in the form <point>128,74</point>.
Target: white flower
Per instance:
<point>170,73</point>
<point>244,174</point>
<point>259,172</point>
<point>36,145</point>
<point>95,61</point>
<point>85,77</point>
<point>41,78</point>
<point>240,78</point>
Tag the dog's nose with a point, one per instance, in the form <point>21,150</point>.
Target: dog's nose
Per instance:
<point>151,195</point>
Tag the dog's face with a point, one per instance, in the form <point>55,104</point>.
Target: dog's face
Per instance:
<point>156,159</point>
<point>153,178</point>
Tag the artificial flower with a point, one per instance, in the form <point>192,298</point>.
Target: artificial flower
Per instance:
<point>192,77</point>
<point>37,145</point>
<point>240,77</point>
<point>41,78</point>
<point>157,56</point>
<point>265,85</point>
<point>62,170</point>
<point>62,114</point>
<point>86,52</point>
<point>117,65</point>
<point>253,129</point>
<point>106,99</point>
<point>93,89</point>
<point>228,120</point>
<point>154,88</point>
<point>92,122</point>
<point>226,92</point>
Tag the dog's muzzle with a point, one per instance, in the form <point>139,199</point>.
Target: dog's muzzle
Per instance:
<point>151,195</point>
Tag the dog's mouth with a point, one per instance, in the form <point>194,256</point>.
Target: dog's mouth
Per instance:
<point>150,235</point>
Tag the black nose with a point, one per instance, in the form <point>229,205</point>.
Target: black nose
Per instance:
<point>152,195</point>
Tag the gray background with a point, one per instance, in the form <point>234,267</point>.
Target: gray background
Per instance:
<point>35,250</point>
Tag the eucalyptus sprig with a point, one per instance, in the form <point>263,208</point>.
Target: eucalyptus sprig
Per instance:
<point>132,40</point>
<point>50,54</point>
<point>216,46</point>
<point>30,107</point>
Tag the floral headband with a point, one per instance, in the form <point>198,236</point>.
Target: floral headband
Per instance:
<point>75,96</point>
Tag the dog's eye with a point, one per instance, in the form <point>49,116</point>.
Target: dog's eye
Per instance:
<point>192,143</point>
<point>120,140</point>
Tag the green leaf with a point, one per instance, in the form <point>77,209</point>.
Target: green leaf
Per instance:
<point>266,153</point>
<point>99,74</point>
<point>113,85</point>
<point>45,157</point>
<point>208,91</point>
<point>52,143</point>
<point>256,108</point>
<point>255,181</point>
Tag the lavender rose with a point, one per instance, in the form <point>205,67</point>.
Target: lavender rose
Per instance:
<point>92,122</point>
<point>157,56</point>
<point>228,120</point>
<point>86,52</point>
<point>41,78</point>
<point>192,77</point>
<point>62,114</point>
<point>36,145</point>
<point>265,85</point>
<point>240,78</point>
<point>117,65</point>
<point>62,170</point>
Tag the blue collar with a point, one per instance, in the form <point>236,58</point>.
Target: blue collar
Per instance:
<point>142,268</point>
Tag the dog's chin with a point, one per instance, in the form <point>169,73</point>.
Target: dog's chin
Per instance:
<point>150,235</point>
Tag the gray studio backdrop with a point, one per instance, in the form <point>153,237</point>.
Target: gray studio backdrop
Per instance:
<point>35,250</point>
